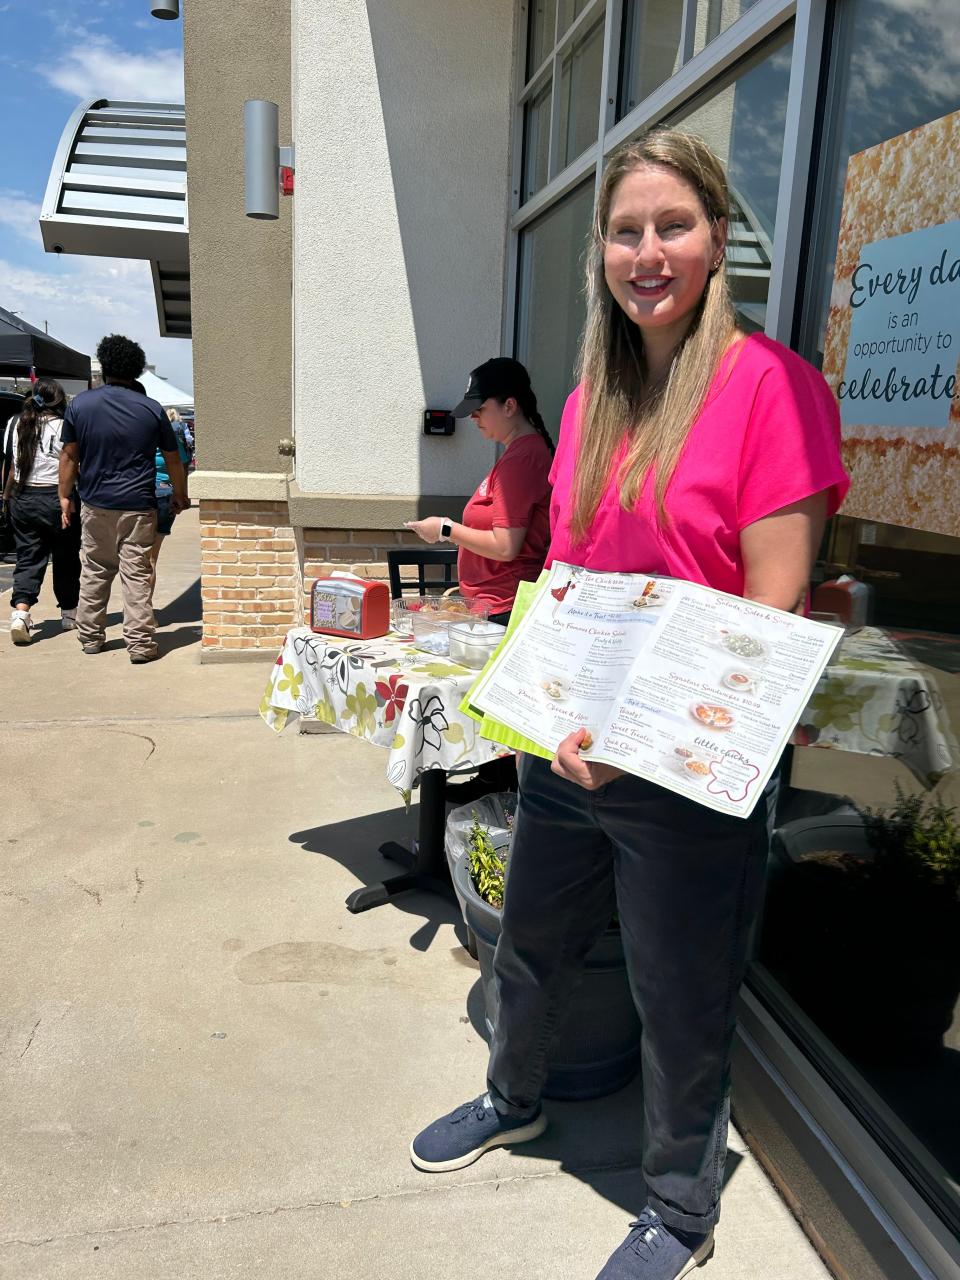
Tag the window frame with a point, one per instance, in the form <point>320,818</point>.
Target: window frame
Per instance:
<point>693,79</point>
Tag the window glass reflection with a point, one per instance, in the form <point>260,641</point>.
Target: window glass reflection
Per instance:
<point>895,67</point>
<point>570,10</point>
<point>651,49</point>
<point>551,302</point>
<point>580,79</point>
<point>714,16</point>
<point>875,968</point>
<point>744,124</point>
<point>542,33</point>
<point>536,142</point>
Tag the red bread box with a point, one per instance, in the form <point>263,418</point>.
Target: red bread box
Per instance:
<point>350,607</point>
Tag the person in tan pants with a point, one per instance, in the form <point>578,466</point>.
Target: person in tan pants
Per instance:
<point>111,436</point>
<point>114,542</point>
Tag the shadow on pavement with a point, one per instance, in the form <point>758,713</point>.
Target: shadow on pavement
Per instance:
<point>597,1141</point>
<point>355,845</point>
<point>170,640</point>
<point>186,607</point>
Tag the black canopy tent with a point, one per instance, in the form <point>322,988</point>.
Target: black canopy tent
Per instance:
<point>22,348</point>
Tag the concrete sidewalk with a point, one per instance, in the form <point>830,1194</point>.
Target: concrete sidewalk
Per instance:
<point>208,1067</point>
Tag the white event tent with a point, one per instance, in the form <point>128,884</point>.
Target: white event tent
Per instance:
<point>165,392</point>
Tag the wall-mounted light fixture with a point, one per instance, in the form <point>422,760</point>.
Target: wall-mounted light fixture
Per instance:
<point>268,167</point>
<point>165,8</point>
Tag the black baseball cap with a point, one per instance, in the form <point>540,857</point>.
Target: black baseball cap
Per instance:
<point>498,378</point>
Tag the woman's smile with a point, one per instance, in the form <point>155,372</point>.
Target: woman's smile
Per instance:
<point>650,286</point>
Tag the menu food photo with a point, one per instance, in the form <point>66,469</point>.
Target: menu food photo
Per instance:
<point>682,685</point>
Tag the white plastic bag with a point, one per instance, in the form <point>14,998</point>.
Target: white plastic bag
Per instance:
<point>494,812</point>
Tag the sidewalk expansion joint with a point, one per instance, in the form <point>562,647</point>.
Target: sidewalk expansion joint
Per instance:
<point>244,1215</point>
<point>142,718</point>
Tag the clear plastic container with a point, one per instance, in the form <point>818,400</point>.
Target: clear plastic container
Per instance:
<point>432,609</point>
<point>472,643</point>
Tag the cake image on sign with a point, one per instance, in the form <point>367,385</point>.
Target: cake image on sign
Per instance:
<point>893,333</point>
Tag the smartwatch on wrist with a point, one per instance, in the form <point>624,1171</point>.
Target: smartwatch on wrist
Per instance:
<point>446,528</point>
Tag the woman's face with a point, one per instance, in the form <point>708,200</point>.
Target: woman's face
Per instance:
<point>496,421</point>
<point>659,250</point>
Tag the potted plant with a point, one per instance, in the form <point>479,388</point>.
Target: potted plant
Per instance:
<point>597,1049</point>
<point>862,921</point>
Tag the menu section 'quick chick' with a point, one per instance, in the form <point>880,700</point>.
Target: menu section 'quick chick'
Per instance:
<point>685,686</point>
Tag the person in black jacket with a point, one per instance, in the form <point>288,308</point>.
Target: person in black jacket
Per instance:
<point>32,460</point>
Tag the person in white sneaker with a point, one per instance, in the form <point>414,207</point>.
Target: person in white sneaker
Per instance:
<point>32,459</point>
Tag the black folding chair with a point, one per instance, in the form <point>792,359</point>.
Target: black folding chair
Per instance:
<point>422,557</point>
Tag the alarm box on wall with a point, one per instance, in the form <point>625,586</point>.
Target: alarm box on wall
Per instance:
<point>350,607</point>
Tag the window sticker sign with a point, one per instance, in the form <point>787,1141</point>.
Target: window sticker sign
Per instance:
<point>893,333</point>
<point>902,353</point>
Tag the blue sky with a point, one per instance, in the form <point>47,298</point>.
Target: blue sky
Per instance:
<point>54,54</point>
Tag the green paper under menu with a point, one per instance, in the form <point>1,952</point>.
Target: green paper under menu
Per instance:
<point>679,684</point>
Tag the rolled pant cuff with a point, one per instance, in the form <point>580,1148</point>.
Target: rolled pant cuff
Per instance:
<point>510,1109</point>
<point>700,1224</point>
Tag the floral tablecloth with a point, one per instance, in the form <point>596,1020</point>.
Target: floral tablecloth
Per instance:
<point>875,700</point>
<point>384,691</point>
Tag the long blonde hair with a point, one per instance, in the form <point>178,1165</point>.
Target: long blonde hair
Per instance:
<point>617,397</point>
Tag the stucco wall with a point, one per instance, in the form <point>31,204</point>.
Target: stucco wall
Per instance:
<point>402,127</point>
<point>240,269</point>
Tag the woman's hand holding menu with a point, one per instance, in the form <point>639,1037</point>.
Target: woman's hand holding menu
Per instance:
<point>568,764</point>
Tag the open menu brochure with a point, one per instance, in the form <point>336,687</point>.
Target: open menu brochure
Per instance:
<point>687,687</point>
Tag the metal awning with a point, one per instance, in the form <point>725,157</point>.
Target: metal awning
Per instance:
<point>118,189</point>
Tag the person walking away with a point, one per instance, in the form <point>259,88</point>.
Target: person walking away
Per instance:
<point>164,488</point>
<point>182,430</point>
<point>32,466</point>
<point>689,450</point>
<point>111,436</point>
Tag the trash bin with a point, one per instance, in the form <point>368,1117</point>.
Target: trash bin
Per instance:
<point>597,1049</point>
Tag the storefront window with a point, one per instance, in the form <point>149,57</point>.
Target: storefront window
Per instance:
<point>536,142</point>
<point>861,930</point>
<point>895,67</point>
<point>651,48</point>
<point>551,305</point>
<point>570,10</point>
<point>744,124</point>
<point>580,75</point>
<point>714,16</point>
<point>542,32</point>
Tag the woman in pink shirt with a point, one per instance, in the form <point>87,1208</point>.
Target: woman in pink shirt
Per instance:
<point>694,451</point>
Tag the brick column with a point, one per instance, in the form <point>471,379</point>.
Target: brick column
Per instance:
<point>250,575</point>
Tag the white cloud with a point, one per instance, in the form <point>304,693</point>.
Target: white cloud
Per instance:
<point>83,298</point>
<point>99,68</point>
<point>20,214</point>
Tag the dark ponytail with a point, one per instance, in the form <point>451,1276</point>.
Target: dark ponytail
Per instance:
<point>528,407</point>
<point>46,399</point>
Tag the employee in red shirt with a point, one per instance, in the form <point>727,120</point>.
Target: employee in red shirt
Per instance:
<point>505,530</point>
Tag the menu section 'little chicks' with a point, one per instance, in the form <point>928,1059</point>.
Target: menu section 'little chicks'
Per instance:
<point>679,684</point>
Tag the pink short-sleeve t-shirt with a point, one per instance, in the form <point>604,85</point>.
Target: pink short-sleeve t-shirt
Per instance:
<point>768,435</point>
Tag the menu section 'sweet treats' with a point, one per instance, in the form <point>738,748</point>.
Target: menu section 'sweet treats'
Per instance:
<point>687,687</point>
